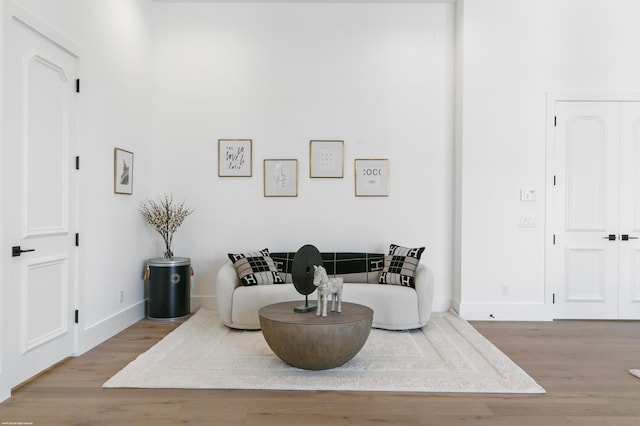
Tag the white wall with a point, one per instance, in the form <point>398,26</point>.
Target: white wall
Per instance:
<point>514,53</point>
<point>378,76</point>
<point>115,38</point>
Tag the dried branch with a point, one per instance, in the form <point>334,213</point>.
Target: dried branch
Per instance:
<point>165,217</point>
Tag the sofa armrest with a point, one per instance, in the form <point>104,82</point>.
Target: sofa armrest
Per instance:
<point>226,283</point>
<point>424,291</point>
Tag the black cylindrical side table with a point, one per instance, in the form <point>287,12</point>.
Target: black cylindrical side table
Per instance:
<point>168,288</point>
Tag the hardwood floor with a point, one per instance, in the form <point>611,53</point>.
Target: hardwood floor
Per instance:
<point>583,365</point>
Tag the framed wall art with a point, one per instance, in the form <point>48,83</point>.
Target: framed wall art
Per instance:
<point>234,157</point>
<point>326,159</point>
<point>281,178</point>
<point>372,177</point>
<point>122,171</point>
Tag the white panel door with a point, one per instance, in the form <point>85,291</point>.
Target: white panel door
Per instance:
<point>586,195</point>
<point>39,202</point>
<point>596,256</point>
<point>629,244</point>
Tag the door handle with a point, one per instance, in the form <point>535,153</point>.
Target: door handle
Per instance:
<point>17,251</point>
<point>610,237</point>
<point>626,237</point>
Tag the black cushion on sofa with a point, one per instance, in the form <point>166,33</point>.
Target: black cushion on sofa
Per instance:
<point>336,263</point>
<point>283,261</point>
<point>343,263</point>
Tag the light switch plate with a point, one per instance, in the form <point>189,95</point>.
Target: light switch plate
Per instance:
<point>527,194</point>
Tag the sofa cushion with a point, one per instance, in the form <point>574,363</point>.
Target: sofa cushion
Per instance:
<point>351,266</point>
<point>255,268</point>
<point>400,265</point>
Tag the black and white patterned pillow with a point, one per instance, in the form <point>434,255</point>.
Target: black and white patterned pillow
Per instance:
<point>255,268</point>
<point>400,266</point>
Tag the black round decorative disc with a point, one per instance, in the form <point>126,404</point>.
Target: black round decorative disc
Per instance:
<point>302,268</point>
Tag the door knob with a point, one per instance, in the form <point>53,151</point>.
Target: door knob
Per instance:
<point>610,237</point>
<point>626,237</point>
<point>17,251</point>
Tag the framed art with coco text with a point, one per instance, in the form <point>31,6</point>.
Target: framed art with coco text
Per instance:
<point>122,172</point>
<point>326,159</point>
<point>372,177</point>
<point>234,157</point>
<point>281,178</point>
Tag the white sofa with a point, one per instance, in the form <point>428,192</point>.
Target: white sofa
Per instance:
<point>394,307</point>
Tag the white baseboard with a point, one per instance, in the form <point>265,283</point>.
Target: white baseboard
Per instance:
<point>441,304</point>
<point>96,333</point>
<point>5,393</point>
<point>455,306</point>
<point>505,311</point>
<point>203,301</point>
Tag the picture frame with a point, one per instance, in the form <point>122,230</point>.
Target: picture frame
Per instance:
<point>326,159</point>
<point>122,171</point>
<point>371,177</point>
<point>280,178</point>
<point>235,157</point>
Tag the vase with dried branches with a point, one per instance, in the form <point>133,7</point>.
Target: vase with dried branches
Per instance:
<point>165,216</point>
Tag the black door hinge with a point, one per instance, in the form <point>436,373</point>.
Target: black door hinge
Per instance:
<point>553,298</point>
<point>554,239</point>
<point>555,121</point>
<point>77,163</point>
<point>77,316</point>
<point>554,180</point>
<point>77,85</point>
<point>77,239</point>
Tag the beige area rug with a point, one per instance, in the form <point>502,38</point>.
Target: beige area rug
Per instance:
<point>447,355</point>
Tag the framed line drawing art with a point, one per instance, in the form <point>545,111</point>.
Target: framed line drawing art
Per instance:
<point>281,178</point>
<point>234,157</point>
<point>372,177</point>
<point>326,159</point>
<point>122,171</point>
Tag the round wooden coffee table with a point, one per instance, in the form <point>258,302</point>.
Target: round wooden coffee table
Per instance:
<point>312,342</point>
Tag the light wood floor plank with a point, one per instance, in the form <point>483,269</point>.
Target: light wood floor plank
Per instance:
<point>583,365</point>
